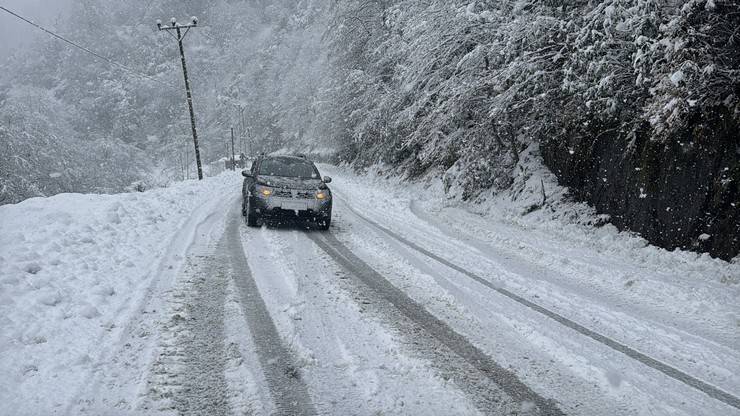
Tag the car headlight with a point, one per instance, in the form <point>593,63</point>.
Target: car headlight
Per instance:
<point>322,195</point>
<point>264,191</point>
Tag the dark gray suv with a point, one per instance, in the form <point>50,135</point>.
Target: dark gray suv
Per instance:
<point>286,187</point>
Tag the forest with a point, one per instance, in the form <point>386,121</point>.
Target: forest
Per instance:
<point>633,104</point>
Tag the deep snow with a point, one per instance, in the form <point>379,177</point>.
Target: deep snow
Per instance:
<point>73,269</point>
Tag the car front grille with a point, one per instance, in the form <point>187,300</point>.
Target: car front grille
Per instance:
<point>287,193</point>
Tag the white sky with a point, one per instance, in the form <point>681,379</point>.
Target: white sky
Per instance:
<point>15,34</point>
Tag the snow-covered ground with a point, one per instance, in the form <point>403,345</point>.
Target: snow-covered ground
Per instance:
<point>164,302</point>
<point>677,307</point>
<point>74,269</point>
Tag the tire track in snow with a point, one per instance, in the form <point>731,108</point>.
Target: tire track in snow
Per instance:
<point>530,401</point>
<point>188,373</point>
<point>513,261</point>
<point>283,378</point>
<point>358,356</point>
<point>194,357</point>
<point>664,368</point>
<point>113,385</point>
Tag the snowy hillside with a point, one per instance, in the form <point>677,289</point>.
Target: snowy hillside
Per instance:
<point>624,97</point>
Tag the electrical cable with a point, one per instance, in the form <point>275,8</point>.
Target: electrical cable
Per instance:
<point>82,48</point>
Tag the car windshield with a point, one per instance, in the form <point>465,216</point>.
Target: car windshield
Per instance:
<point>288,167</point>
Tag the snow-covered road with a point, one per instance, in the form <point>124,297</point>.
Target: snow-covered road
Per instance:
<point>409,305</point>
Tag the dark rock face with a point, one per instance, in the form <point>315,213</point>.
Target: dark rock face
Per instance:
<point>682,191</point>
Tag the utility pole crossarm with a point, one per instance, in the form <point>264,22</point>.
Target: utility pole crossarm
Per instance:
<point>174,25</point>
<point>180,36</point>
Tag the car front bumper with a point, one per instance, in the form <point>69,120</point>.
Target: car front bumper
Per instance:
<point>281,207</point>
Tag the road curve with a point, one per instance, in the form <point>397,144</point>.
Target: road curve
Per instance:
<point>689,380</point>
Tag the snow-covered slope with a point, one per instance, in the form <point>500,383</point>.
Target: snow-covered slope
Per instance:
<point>73,269</point>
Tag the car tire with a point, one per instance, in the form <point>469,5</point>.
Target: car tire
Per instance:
<point>324,223</point>
<point>252,218</point>
<point>252,221</point>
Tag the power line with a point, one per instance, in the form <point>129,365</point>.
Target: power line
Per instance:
<point>82,48</point>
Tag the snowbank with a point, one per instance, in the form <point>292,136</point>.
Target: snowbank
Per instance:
<point>72,269</point>
<point>535,200</point>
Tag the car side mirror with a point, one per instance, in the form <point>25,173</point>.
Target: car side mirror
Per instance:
<point>246,174</point>
<point>327,179</point>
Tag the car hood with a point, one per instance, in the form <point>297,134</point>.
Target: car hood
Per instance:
<point>291,183</point>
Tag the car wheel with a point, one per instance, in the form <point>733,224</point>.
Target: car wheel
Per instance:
<point>252,221</point>
<point>252,218</point>
<point>324,223</point>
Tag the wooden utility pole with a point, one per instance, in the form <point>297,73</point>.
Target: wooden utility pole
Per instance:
<point>180,36</point>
